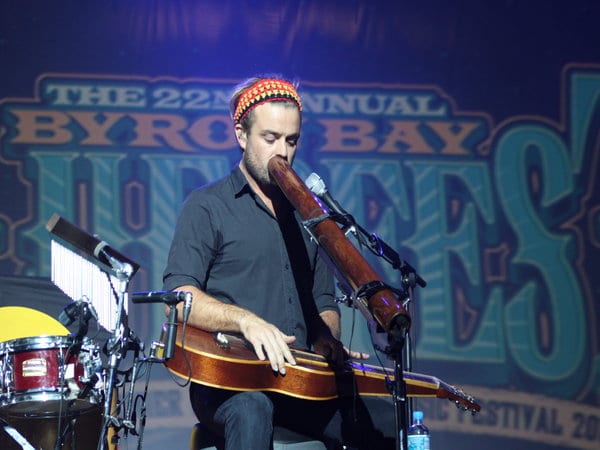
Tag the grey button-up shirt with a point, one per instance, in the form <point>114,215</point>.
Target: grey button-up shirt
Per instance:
<point>228,244</point>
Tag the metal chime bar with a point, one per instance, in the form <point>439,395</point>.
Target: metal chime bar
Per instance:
<point>80,278</point>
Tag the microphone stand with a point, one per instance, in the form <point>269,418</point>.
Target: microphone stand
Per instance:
<point>399,398</point>
<point>403,406</point>
<point>115,347</point>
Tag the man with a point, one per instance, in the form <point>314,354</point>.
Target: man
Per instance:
<point>239,249</point>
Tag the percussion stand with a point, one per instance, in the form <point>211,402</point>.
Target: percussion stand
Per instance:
<point>115,347</point>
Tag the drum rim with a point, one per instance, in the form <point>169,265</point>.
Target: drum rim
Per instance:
<point>41,342</point>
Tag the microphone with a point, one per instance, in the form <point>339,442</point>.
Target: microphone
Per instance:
<point>107,255</point>
<point>377,245</point>
<point>73,310</point>
<point>69,313</point>
<point>187,306</point>
<point>317,186</point>
<point>83,310</point>
<point>168,297</point>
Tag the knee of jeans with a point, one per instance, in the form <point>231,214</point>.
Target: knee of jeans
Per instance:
<point>246,407</point>
<point>256,403</point>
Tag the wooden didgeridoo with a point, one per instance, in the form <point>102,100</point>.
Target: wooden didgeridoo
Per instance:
<point>373,297</point>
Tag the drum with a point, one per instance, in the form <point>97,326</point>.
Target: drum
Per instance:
<point>46,376</point>
<point>79,431</point>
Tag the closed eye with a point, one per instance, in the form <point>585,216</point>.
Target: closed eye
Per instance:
<point>271,137</point>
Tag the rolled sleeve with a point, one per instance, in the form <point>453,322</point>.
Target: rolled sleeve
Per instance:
<point>324,288</point>
<point>192,248</point>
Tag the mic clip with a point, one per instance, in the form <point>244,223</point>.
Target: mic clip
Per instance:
<point>345,220</point>
<point>81,309</point>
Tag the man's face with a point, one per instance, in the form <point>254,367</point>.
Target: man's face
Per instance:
<point>275,131</point>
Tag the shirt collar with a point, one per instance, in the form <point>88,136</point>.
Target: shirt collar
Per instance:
<point>241,186</point>
<point>239,182</point>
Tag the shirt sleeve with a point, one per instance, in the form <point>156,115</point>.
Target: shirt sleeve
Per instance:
<point>192,247</point>
<point>324,288</point>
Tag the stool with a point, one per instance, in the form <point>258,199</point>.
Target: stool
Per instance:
<point>283,439</point>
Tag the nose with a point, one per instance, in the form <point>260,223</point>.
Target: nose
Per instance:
<point>282,148</point>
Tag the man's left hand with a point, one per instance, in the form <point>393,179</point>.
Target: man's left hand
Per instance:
<point>334,351</point>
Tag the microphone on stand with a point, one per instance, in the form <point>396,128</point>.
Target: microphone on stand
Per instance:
<point>69,313</point>
<point>81,309</point>
<point>409,276</point>
<point>171,298</point>
<point>167,297</point>
<point>317,186</point>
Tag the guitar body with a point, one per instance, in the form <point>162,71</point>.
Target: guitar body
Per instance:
<point>229,362</point>
<point>234,366</point>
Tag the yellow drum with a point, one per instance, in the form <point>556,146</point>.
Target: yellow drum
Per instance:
<point>20,322</point>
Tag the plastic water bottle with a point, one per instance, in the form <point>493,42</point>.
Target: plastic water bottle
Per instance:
<point>418,433</point>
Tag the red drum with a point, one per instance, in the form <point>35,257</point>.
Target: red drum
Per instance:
<point>48,375</point>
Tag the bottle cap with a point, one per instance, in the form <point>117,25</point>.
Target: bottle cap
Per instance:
<point>417,415</point>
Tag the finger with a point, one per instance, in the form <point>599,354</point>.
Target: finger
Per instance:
<point>287,351</point>
<point>359,355</point>
<point>265,349</point>
<point>258,349</point>
<point>270,343</point>
<point>356,355</point>
<point>276,349</point>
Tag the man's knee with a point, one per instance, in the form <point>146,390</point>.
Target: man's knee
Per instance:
<point>250,407</point>
<point>256,403</point>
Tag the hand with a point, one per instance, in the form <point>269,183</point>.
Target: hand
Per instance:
<point>268,342</point>
<point>331,349</point>
<point>335,352</point>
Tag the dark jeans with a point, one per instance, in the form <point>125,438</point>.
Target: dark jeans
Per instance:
<point>246,419</point>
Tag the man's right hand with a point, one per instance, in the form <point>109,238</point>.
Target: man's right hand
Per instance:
<point>268,342</point>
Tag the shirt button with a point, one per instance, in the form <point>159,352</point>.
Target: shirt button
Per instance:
<point>287,267</point>
<point>290,300</point>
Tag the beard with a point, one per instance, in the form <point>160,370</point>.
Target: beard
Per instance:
<point>257,169</point>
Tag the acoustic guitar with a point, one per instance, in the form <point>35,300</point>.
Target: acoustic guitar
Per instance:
<point>229,362</point>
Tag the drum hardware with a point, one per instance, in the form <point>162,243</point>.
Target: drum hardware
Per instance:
<point>76,432</point>
<point>157,350</point>
<point>107,273</point>
<point>17,437</point>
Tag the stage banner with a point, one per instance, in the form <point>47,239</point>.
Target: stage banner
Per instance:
<point>499,219</point>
